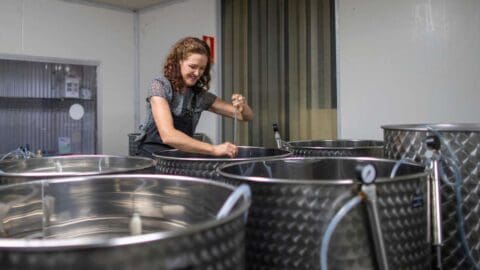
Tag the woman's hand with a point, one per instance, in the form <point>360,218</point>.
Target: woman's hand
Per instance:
<point>238,101</point>
<point>225,149</point>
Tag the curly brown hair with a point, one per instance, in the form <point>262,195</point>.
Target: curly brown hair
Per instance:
<point>181,51</point>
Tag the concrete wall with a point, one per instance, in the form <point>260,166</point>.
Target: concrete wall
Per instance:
<point>410,61</point>
<point>160,28</point>
<point>52,29</point>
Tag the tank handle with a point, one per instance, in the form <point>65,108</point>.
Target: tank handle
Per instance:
<point>241,191</point>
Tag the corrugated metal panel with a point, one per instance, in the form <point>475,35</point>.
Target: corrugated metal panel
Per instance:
<point>33,111</point>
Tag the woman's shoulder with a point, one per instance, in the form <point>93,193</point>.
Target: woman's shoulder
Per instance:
<point>161,79</point>
<point>162,87</point>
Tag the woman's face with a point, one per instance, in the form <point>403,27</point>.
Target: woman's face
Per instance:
<point>192,68</point>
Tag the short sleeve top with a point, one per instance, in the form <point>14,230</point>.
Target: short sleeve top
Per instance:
<point>186,107</point>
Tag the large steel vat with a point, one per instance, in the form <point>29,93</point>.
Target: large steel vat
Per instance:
<point>295,199</point>
<point>336,148</point>
<point>204,166</point>
<point>121,222</point>
<point>16,171</point>
<point>407,141</point>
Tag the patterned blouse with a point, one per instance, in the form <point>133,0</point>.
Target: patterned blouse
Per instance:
<point>186,108</point>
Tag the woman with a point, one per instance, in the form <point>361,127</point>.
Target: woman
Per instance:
<point>178,98</point>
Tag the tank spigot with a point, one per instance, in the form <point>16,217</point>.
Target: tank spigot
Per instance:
<point>276,134</point>
<point>433,142</point>
<point>135,224</point>
<point>275,127</point>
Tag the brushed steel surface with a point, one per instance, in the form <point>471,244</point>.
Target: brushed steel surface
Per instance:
<point>83,223</point>
<point>337,148</point>
<point>204,166</point>
<point>294,199</point>
<point>15,171</point>
<point>464,140</point>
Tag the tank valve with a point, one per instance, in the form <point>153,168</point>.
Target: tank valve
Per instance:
<point>433,142</point>
<point>135,224</point>
<point>276,134</point>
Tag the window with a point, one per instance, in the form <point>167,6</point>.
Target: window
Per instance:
<point>280,55</point>
<point>47,107</point>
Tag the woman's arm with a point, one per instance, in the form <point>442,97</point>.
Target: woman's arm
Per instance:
<point>244,112</point>
<point>179,140</point>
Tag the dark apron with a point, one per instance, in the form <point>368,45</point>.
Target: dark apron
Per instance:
<point>152,143</point>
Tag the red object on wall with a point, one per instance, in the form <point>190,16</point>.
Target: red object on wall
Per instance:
<point>211,43</point>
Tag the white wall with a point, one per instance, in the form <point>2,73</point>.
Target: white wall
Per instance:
<point>57,29</point>
<point>405,61</point>
<point>409,61</point>
<point>160,28</point>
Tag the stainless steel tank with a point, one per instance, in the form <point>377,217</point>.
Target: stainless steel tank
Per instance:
<point>16,171</point>
<point>295,199</point>
<point>121,222</point>
<point>132,143</point>
<point>336,148</point>
<point>464,141</point>
<point>204,166</point>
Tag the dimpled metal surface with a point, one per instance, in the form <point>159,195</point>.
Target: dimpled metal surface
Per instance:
<point>464,140</point>
<point>285,229</point>
<point>197,168</point>
<point>203,166</point>
<point>338,148</point>
<point>287,221</point>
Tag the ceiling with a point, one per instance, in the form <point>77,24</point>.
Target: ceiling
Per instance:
<point>133,5</point>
